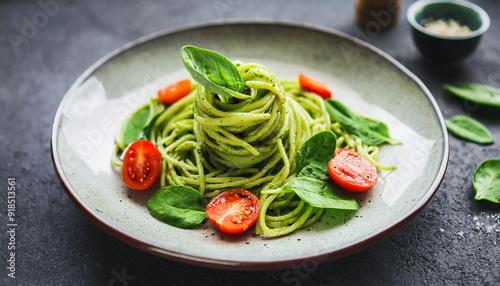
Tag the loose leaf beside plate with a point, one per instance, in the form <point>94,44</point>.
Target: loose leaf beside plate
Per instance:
<point>469,129</point>
<point>479,93</point>
<point>486,181</point>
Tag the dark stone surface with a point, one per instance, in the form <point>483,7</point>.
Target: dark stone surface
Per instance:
<point>447,243</point>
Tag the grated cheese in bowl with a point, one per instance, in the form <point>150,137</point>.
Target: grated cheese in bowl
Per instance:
<point>448,27</point>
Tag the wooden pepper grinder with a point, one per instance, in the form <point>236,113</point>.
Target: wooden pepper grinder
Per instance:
<point>382,13</point>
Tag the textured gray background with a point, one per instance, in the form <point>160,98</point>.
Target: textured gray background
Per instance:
<point>447,243</point>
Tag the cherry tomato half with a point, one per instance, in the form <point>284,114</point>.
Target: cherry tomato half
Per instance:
<point>141,165</point>
<point>315,86</point>
<point>352,172</point>
<point>174,92</point>
<point>233,211</point>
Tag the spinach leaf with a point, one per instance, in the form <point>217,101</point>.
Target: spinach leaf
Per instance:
<point>313,156</point>
<point>139,124</point>
<point>214,72</point>
<point>486,181</point>
<point>320,194</point>
<point>158,109</point>
<point>478,93</point>
<point>469,129</point>
<point>370,131</point>
<point>178,206</point>
<point>134,127</point>
<point>312,162</point>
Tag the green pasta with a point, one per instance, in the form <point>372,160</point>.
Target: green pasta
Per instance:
<point>213,144</point>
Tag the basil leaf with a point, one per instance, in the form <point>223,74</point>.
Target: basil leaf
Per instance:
<point>313,156</point>
<point>134,127</point>
<point>479,93</point>
<point>157,111</point>
<point>486,181</point>
<point>178,206</point>
<point>139,124</point>
<point>320,194</point>
<point>470,129</point>
<point>370,131</point>
<point>214,72</point>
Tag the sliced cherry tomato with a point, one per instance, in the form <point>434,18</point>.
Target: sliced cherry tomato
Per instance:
<point>141,165</point>
<point>174,92</point>
<point>352,172</point>
<point>315,86</point>
<point>233,211</point>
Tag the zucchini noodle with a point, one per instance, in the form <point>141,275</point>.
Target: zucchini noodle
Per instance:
<point>212,144</point>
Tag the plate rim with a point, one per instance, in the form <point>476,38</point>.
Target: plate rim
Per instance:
<point>328,255</point>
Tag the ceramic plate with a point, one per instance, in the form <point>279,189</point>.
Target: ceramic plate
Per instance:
<point>362,77</point>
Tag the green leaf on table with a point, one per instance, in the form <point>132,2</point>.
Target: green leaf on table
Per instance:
<point>320,194</point>
<point>313,156</point>
<point>470,129</point>
<point>486,181</point>
<point>370,131</point>
<point>479,93</point>
<point>178,206</point>
<point>214,72</point>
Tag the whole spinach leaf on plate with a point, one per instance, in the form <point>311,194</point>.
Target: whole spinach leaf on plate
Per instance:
<point>479,93</point>
<point>214,72</point>
<point>311,183</point>
<point>178,206</point>
<point>313,156</point>
<point>320,194</point>
<point>370,131</point>
<point>470,129</point>
<point>486,181</point>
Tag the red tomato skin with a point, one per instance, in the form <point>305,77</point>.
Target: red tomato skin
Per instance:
<point>175,91</point>
<point>233,211</point>
<point>352,172</point>
<point>141,165</point>
<point>315,86</point>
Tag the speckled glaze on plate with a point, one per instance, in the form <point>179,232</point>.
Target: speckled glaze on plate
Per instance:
<point>364,78</point>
